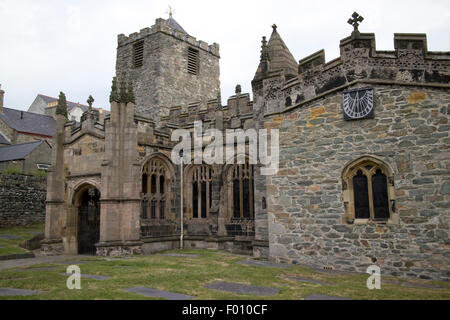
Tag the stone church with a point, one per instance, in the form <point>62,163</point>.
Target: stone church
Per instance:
<point>364,157</point>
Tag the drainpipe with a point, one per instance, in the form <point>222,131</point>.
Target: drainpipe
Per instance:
<point>181,209</point>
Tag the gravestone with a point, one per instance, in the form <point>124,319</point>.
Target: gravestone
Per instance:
<point>182,255</point>
<point>17,292</point>
<point>10,237</point>
<point>391,282</point>
<point>89,276</point>
<point>308,280</point>
<point>242,288</point>
<point>324,297</point>
<point>39,269</point>
<point>259,263</point>
<point>149,292</point>
<point>421,285</point>
<point>75,262</point>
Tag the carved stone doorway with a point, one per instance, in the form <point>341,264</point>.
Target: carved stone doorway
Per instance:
<point>88,221</point>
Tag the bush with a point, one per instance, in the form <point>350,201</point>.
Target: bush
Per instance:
<point>40,173</point>
<point>12,170</point>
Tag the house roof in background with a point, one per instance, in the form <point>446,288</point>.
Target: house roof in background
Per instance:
<point>3,139</point>
<point>70,104</point>
<point>29,122</point>
<point>18,151</point>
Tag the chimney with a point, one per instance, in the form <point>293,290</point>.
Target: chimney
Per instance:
<point>2,93</point>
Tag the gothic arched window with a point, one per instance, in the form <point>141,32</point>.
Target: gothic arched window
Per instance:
<point>154,189</point>
<point>243,191</point>
<point>369,192</point>
<point>201,191</point>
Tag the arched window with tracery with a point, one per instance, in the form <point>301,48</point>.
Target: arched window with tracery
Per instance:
<point>243,191</point>
<point>369,192</point>
<point>201,191</point>
<point>240,208</point>
<point>154,189</point>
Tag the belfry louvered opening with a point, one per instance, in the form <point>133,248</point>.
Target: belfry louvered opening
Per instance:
<point>138,54</point>
<point>193,61</point>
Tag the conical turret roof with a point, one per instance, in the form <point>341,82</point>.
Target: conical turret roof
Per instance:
<point>279,56</point>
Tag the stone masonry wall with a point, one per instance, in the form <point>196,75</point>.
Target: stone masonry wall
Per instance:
<point>22,199</point>
<point>410,133</point>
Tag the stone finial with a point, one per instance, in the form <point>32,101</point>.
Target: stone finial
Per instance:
<point>264,50</point>
<point>90,101</point>
<point>61,108</point>
<point>238,89</point>
<point>114,96</point>
<point>130,93</point>
<point>274,27</point>
<point>125,93</point>
<point>355,20</point>
<point>123,89</point>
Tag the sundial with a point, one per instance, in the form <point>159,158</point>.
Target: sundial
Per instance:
<point>358,104</point>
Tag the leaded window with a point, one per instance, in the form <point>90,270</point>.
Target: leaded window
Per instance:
<point>369,185</point>
<point>201,191</point>
<point>154,190</point>
<point>243,192</point>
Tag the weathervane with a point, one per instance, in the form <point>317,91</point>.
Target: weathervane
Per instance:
<point>170,11</point>
<point>355,21</point>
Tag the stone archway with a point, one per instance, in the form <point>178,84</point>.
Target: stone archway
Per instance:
<point>87,205</point>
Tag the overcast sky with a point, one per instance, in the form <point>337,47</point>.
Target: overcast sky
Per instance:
<point>47,46</point>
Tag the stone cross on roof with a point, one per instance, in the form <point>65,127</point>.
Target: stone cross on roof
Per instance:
<point>357,19</point>
<point>90,101</point>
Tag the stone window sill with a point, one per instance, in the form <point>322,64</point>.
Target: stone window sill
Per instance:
<point>373,222</point>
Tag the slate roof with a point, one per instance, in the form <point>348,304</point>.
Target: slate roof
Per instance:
<point>70,105</point>
<point>29,122</point>
<point>175,25</point>
<point>3,139</point>
<point>18,151</point>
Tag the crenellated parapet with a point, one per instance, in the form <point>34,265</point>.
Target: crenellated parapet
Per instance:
<point>164,26</point>
<point>239,108</point>
<point>359,61</point>
<point>191,112</point>
<point>149,134</point>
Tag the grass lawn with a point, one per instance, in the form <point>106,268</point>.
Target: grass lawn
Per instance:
<point>190,275</point>
<point>11,246</point>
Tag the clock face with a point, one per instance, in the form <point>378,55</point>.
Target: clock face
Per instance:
<point>358,104</point>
